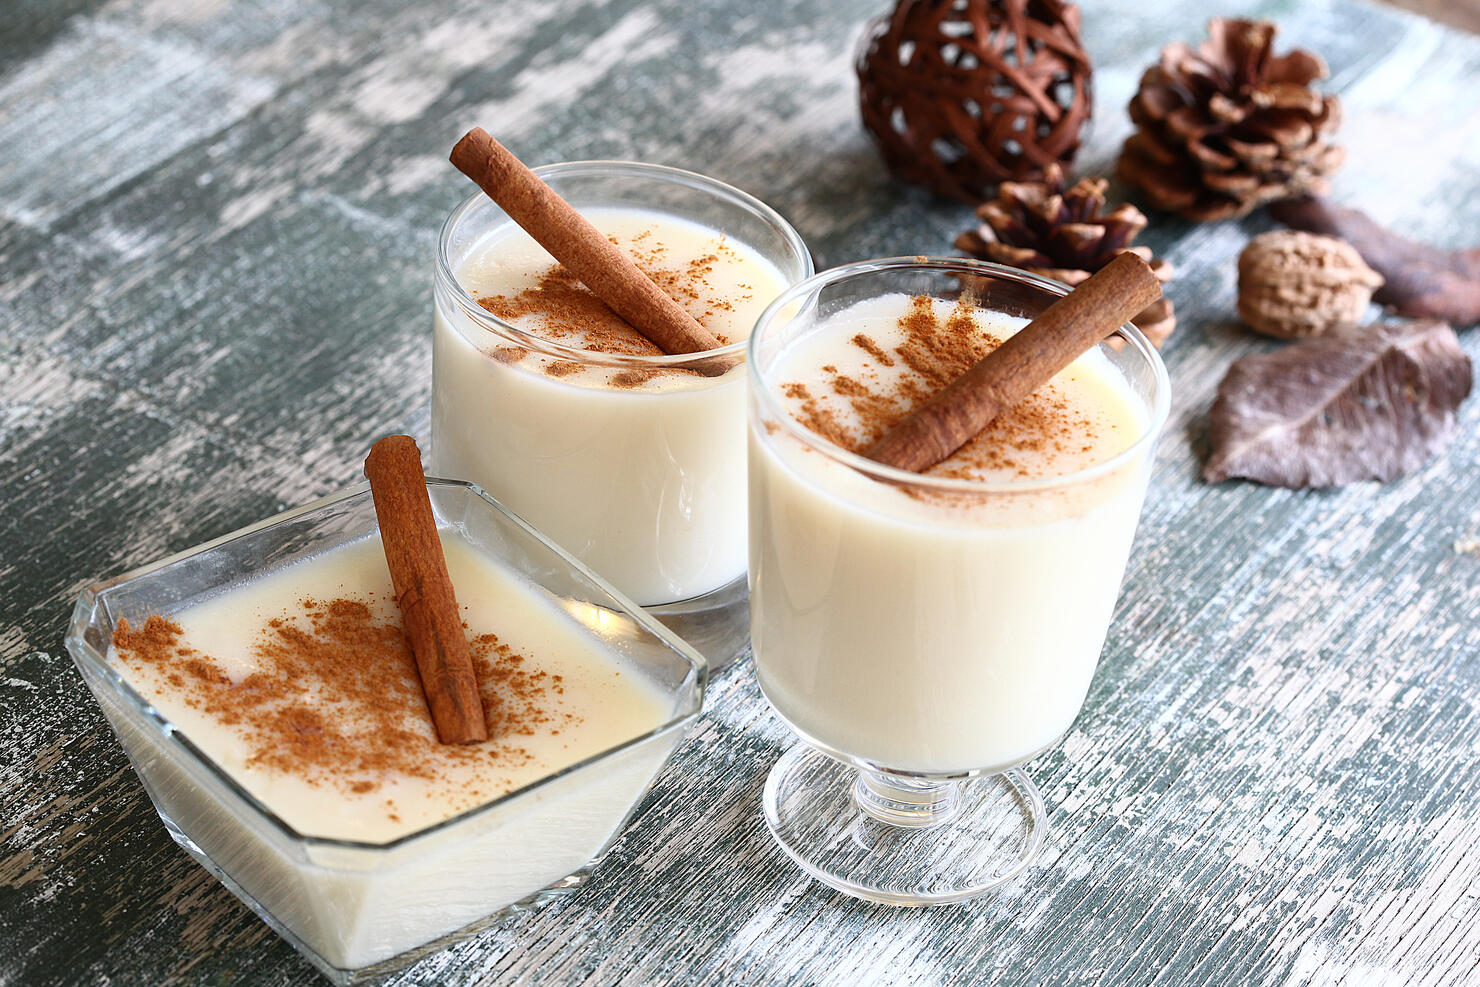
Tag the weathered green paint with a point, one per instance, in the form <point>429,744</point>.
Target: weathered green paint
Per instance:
<point>216,226</point>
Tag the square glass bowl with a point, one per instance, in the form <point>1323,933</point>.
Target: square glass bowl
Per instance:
<point>358,911</point>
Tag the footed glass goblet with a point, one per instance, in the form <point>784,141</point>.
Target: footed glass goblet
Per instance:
<point>926,634</point>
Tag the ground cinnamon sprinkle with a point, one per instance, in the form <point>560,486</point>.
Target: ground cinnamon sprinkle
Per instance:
<point>633,378</point>
<point>336,700</point>
<point>508,354</point>
<point>565,311</point>
<point>818,417</point>
<point>561,368</point>
<point>932,353</point>
<point>560,308</point>
<point>873,349</point>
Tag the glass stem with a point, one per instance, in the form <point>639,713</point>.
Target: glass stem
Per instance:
<point>905,801</point>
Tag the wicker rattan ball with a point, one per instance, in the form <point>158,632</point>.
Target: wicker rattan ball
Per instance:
<point>963,94</point>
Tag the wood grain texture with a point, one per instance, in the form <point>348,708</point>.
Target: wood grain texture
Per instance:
<point>212,305</point>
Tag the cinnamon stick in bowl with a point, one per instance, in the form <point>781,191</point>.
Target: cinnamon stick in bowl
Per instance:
<point>413,552</point>
<point>1026,361</point>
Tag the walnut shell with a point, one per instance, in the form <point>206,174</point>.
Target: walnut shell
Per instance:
<point>1292,285</point>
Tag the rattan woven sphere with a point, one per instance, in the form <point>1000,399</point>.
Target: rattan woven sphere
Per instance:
<point>963,94</point>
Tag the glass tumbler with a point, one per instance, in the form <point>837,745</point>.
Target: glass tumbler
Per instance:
<point>646,485</point>
<point>926,636</point>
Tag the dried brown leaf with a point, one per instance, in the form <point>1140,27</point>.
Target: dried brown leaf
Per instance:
<point>1422,281</point>
<point>1336,410</point>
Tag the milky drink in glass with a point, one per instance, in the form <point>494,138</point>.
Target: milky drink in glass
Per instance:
<point>927,633</point>
<point>937,629</point>
<point>631,459</point>
<point>265,691</point>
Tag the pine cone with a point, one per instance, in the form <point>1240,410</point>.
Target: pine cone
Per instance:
<point>1230,127</point>
<point>1064,234</point>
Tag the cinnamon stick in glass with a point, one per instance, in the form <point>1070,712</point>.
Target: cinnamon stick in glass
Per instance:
<point>413,551</point>
<point>582,249</point>
<point>1022,364</point>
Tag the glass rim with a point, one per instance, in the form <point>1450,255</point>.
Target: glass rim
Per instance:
<point>171,734</point>
<point>1159,410</point>
<point>633,169</point>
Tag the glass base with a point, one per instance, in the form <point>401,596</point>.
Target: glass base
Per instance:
<point>717,624</point>
<point>377,972</point>
<point>901,840</point>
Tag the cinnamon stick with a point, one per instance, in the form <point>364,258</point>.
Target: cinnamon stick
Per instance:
<point>413,551</point>
<point>1021,365</point>
<point>582,249</point>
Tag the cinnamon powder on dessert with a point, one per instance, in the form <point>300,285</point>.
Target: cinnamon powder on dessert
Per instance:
<point>560,308</point>
<point>934,352</point>
<point>336,698</point>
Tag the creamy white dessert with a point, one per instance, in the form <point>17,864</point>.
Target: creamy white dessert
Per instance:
<point>922,628</point>
<point>632,463</point>
<point>301,687</point>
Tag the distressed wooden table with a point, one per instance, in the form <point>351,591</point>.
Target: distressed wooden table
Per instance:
<point>216,231</point>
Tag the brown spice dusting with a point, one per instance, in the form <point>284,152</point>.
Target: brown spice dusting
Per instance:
<point>560,308</point>
<point>817,416</point>
<point>566,311</point>
<point>336,700</point>
<point>508,354</point>
<point>933,352</point>
<point>873,349</point>
<point>562,368</point>
<point>633,378</point>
